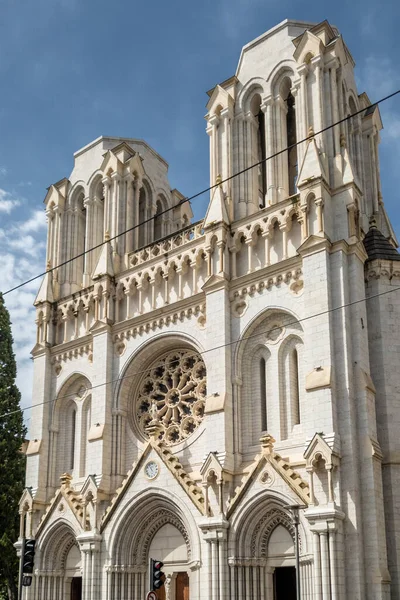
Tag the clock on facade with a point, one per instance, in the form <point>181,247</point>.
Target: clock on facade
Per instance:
<point>151,469</point>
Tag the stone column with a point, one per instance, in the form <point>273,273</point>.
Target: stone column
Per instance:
<point>267,108</point>
<point>317,567</point>
<point>326,593</point>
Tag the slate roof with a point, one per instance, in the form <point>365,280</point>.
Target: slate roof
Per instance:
<point>379,247</point>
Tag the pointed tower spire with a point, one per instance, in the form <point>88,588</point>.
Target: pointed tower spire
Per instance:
<point>217,211</point>
<point>312,165</point>
<point>105,263</point>
<point>45,293</point>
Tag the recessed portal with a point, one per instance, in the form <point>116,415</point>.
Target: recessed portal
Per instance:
<point>285,583</point>
<point>76,588</point>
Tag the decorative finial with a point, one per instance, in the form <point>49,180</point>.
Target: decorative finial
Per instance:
<point>267,443</point>
<point>107,236</point>
<point>66,479</point>
<point>48,265</point>
<point>311,131</point>
<point>218,180</point>
<point>343,140</point>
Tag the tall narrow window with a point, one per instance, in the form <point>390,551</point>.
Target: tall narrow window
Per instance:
<point>158,233</point>
<point>262,168</point>
<point>72,440</point>
<point>291,139</point>
<point>294,385</point>
<point>263,394</point>
<point>142,218</point>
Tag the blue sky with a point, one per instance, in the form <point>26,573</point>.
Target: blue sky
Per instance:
<point>72,70</point>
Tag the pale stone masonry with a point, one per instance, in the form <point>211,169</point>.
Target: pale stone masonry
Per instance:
<point>194,381</point>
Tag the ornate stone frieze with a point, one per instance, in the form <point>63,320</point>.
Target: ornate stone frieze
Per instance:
<point>286,277</point>
<point>163,321</point>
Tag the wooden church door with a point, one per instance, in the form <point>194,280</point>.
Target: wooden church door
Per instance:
<point>182,586</point>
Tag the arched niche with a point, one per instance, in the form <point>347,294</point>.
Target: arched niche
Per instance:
<point>71,420</point>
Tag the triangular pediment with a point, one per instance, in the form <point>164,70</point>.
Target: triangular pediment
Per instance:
<point>123,152</point>
<point>274,465</point>
<point>68,503</point>
<point>318,447</point>
<point>135,165</point>
<point>57,193</point>
<point>26,499</point>
<point>156,452</point>
<point>211,463</point>
<point>219,97</point>
<point>111,164</point>
<point>309,44</point>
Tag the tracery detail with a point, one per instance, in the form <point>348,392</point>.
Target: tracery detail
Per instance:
<point>176,385</point>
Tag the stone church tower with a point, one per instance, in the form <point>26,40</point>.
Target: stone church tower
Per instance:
<point>195,381</point>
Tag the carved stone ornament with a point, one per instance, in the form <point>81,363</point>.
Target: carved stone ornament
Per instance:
<point>173,392</point>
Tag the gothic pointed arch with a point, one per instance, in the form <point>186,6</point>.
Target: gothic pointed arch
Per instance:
<point>255,522</point>
<point>55,544</point>
<point>70,421</point>
<point>135,527</point>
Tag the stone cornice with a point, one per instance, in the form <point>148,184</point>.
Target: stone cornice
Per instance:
<point>160,317</point>
<point>382,268</point>
<point>274,274</point>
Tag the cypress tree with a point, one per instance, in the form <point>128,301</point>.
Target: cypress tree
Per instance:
<point>12,460</point>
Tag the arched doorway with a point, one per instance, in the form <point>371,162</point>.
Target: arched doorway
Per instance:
<point>73,576</point>
<point>169,546</point>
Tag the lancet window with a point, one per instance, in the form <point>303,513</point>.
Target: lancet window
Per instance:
<point>291,141</point>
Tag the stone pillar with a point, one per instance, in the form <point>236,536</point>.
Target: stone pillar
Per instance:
<point>267,108</point>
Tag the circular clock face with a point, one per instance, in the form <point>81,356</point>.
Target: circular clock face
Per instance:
<point>151,469</point>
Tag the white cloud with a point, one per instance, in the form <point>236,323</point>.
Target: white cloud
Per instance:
<point>22,251</point>
<point>36,222</point>
<point>7,205</point>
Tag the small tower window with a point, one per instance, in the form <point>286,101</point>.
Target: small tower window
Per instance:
<point>263,394</point>
<point>158,222</point>
<point>262,169</point>
<point>259,153</point>
<point>294,385</point>
<point>72,441</point>
<point>291,140</point>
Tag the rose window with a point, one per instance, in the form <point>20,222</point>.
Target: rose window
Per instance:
<point>173,391</point>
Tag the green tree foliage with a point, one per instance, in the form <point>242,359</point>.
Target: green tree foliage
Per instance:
<point>12,461</point>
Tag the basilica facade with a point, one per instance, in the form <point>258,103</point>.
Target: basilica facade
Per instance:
<point>199,385</point>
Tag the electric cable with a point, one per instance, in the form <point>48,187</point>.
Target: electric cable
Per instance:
<point>209,188</point>
<point>202,352</point>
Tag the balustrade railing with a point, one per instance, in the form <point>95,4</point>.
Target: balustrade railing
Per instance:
<point>166,244</point>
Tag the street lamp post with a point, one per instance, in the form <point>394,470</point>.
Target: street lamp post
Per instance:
<point>295,508</point>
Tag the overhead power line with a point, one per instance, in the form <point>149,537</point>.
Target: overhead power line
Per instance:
<point>219,347</point>
<point>207,189</point>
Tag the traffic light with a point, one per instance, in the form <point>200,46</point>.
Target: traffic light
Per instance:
<point>156,575</point>
<point>29,556</point>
